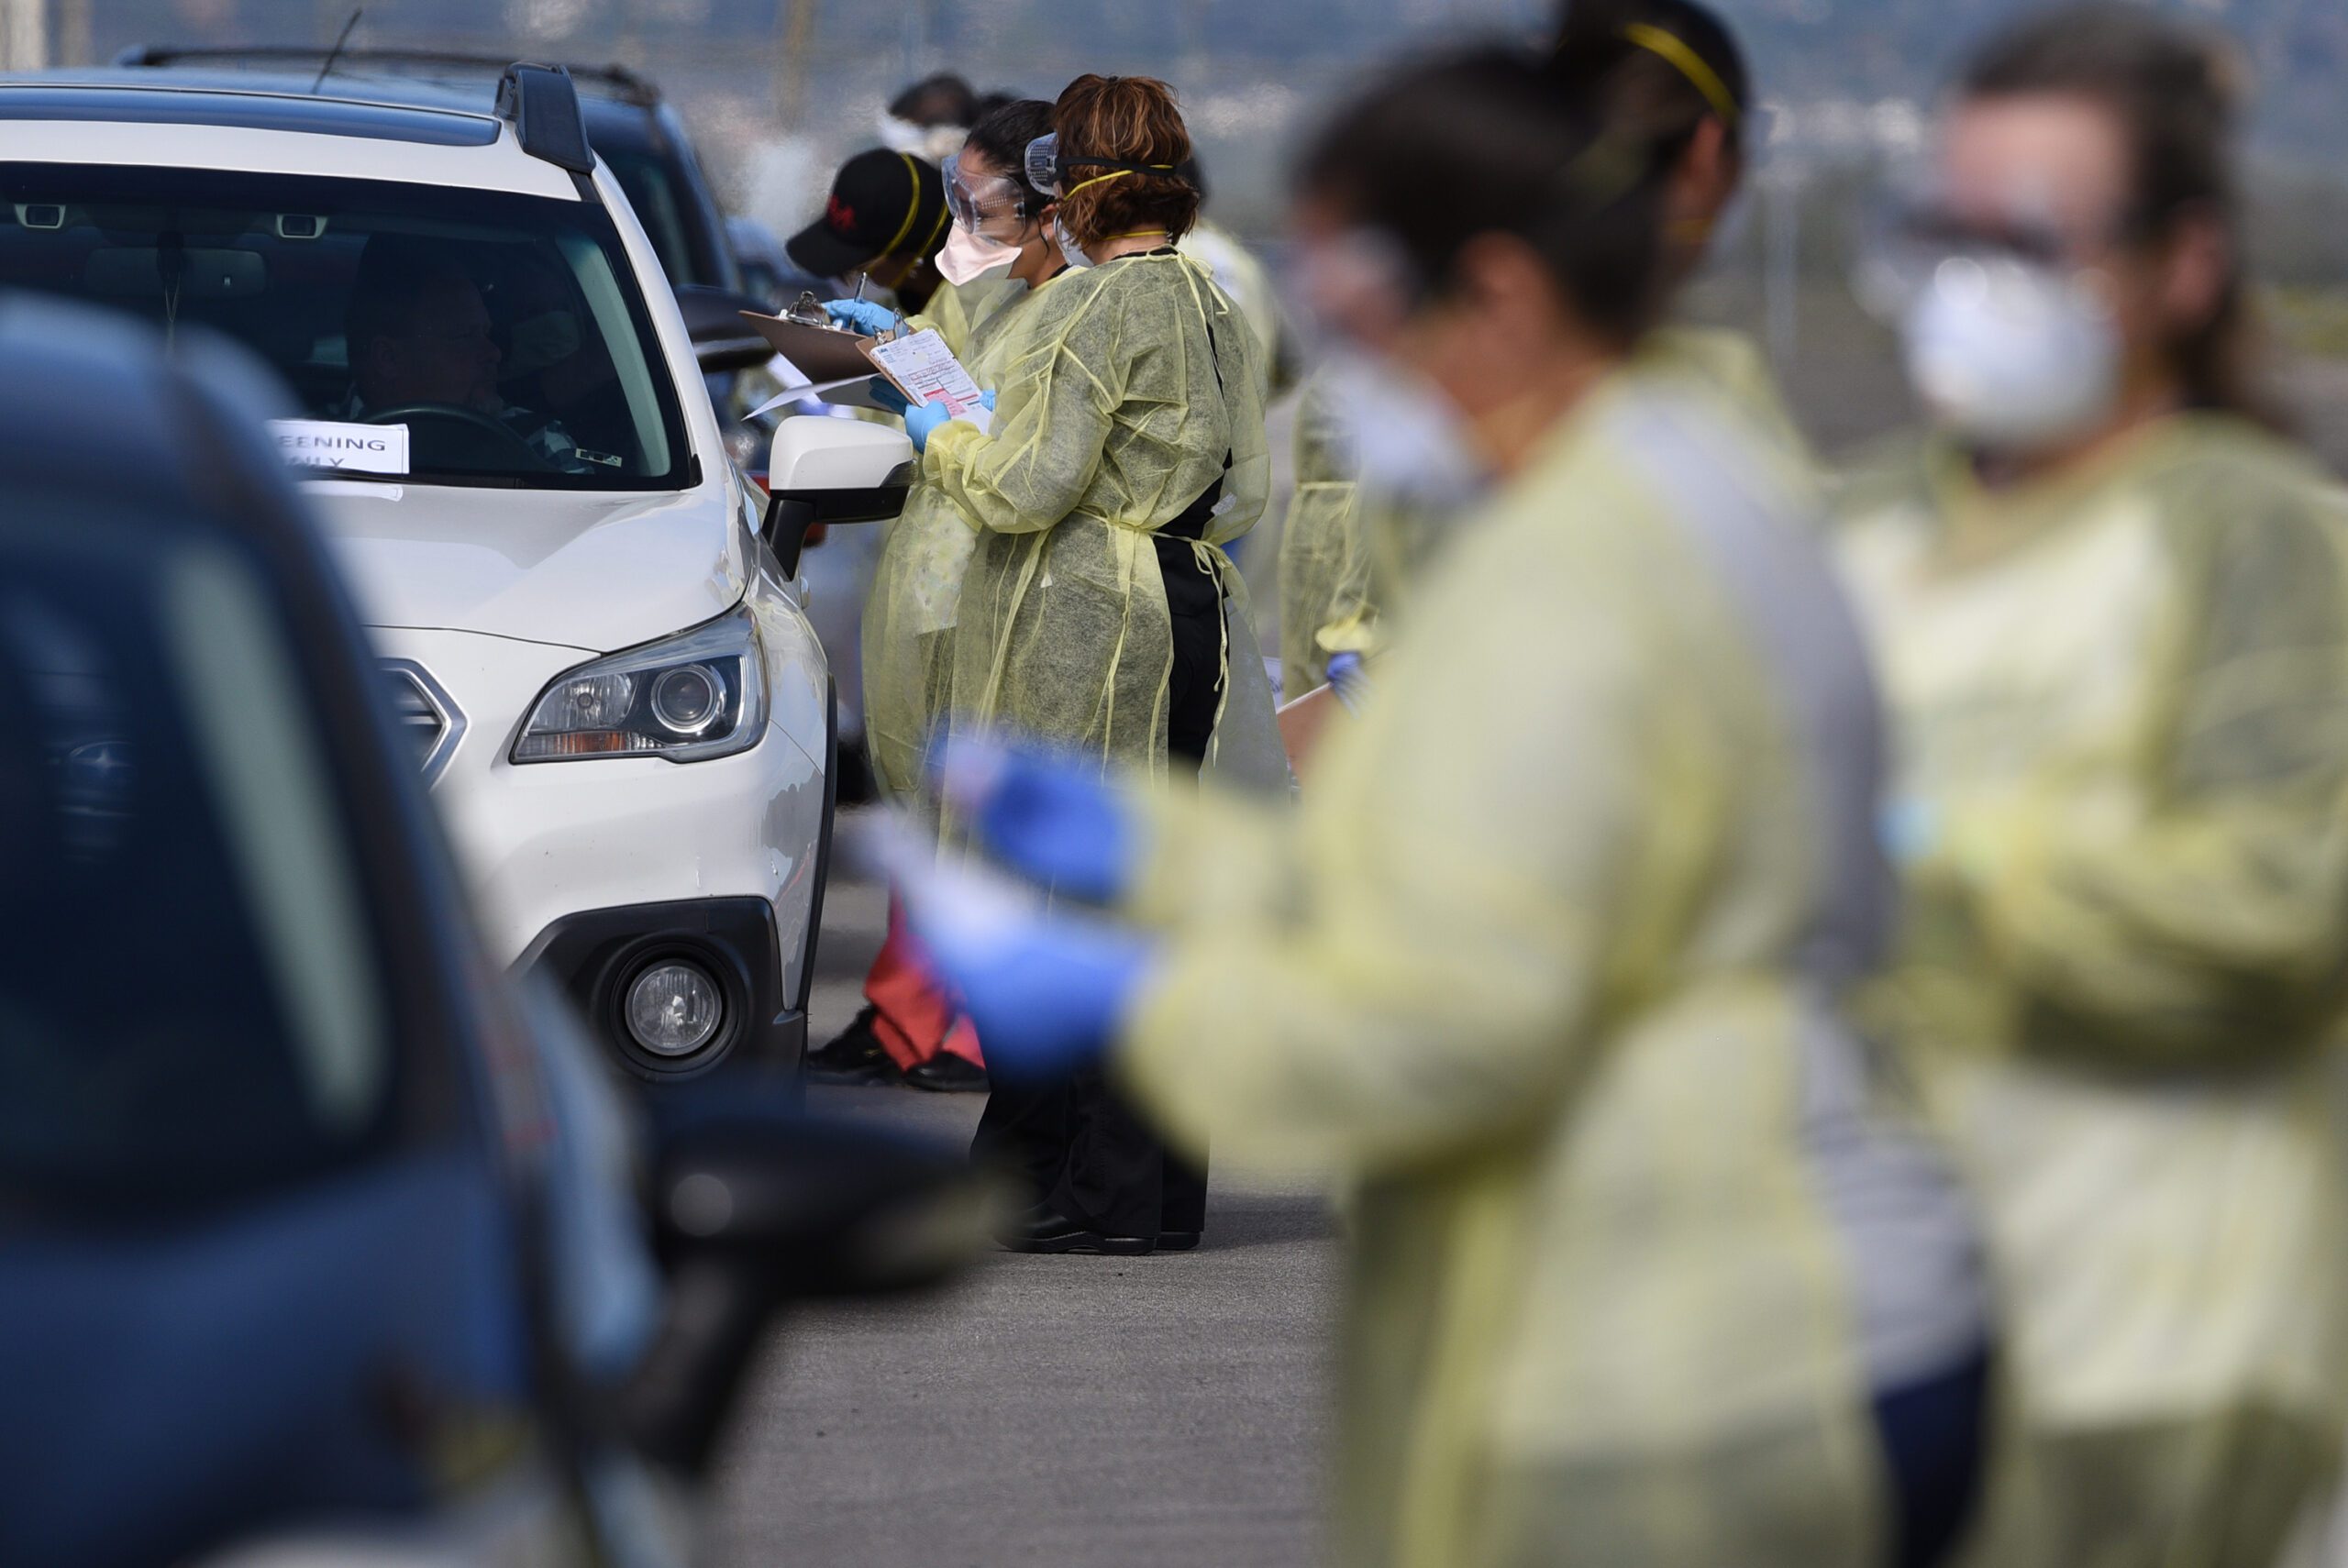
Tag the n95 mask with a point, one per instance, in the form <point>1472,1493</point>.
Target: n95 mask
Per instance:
<point>2015,356</point>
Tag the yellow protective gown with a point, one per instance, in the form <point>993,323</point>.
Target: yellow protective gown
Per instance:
<point>1539,1012</point>
<point>909,611</point>
<point>1324,559</point>
<point>2121,704</point>
<point>1122,390</point>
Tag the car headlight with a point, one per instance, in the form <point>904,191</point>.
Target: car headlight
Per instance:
<point>700,694</point>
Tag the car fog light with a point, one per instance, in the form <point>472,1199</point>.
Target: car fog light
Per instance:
<point>673,1010</point>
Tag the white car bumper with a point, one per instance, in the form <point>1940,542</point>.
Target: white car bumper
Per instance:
<point>593,866</point>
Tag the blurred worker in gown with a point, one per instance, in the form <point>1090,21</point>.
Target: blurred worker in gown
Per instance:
<point>930,118</point>
<point>2110,608</point>
<point>1545,968</point>
<point>1000,252</point>
<point>1365,511</point>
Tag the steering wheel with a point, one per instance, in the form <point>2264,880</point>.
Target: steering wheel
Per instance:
<point>459,413</point>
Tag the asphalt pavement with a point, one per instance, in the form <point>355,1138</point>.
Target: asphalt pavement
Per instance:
<point>1049,1412</point>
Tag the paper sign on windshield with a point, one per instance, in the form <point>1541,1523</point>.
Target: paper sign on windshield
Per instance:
<point>330,445</point>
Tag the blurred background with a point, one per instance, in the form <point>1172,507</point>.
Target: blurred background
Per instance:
<point>778,91</point>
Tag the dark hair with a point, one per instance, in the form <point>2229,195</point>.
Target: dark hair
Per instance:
<point>1658,69</point>
<point>2172,91</point>
<point>1001,137</point>
<point>1132,121</point>
<point>944,99</point>
<point>1483,143</point>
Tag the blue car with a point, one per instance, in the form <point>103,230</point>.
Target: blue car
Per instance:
<point>315,1233</point>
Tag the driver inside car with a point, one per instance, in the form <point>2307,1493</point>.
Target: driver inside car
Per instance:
<point>420,334</point>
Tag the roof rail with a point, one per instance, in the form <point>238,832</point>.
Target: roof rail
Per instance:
<point>543,105</point>
<point>624,83</point>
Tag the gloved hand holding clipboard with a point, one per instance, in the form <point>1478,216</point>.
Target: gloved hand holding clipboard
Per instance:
<point>838,360</point>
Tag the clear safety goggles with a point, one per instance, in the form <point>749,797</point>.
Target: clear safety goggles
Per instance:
<point>1049,169</point>
<point>975,201</point>
<point>1914,243</point>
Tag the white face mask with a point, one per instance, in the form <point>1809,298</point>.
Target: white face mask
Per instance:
<point>1069,247</point>
<point>1407,440</point>
<point>936,143</point>
<point>2014,356</point>
<point>970,256</point>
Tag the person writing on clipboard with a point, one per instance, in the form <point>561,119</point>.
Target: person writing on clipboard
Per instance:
<point>1126,448</point>
<point>999,252</point>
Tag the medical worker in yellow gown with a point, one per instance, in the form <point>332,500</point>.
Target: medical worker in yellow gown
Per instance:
<point>1000,250</point>
<point>1543,969</point>
<point>1356,537</point>
<point>1098,610</point>
<point>2110,610</point>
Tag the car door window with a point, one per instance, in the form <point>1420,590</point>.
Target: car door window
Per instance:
<point>192,1003</point>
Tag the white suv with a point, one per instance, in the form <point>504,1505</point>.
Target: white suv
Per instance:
<point>589,617</point>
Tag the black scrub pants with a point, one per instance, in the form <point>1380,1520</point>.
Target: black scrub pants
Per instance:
<point>1077,1143</point>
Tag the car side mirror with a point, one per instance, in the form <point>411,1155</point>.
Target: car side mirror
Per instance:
<point>722,341</point>
<point>832,470</point>
<point>755,1208</point>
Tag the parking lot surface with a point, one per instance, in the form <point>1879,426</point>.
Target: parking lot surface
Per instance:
<point>1070,1411</point>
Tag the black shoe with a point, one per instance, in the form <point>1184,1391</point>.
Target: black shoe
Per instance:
<point>853,1056</point>
<point>947,1074</point>
<point>1178,1241</point>
<point>1045,1229</point>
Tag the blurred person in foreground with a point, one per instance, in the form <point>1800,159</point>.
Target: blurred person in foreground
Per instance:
<point>1546,970</point>
<point>1098,610</point>
<point>1369,505</point>
<point>2110,608</point>
<point>883,225</point>
<point>999,252</point>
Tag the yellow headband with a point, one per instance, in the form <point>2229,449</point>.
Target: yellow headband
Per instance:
<point>912,213</point>
<point>1096,180</point>
<point>1689,63</point>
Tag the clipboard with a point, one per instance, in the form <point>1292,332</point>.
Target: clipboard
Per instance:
<point>821,354</point>
<point>918,364</point>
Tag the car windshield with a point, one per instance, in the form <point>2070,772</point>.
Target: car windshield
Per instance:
<point>491,338</point>
<point>190,1003</point>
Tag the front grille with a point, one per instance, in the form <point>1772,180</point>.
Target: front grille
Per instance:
<point>424,713</point>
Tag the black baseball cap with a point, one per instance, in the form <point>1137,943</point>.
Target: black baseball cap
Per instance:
<point>883,204</point>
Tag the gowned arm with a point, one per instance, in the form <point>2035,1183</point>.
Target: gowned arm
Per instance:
<point>2207,920</point>
<point>1052,421</point>
<point>1454,934</point>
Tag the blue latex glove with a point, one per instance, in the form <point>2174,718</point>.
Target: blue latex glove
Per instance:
<point>1348,674</point>
<point>883,390</point>
<point>867,317</point>
<point>1909,827</point>
<point>1049,818</point>
<point>921,421</point>
<point>1046,994</point>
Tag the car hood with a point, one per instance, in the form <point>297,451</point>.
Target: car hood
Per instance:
<point>590,571</point>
